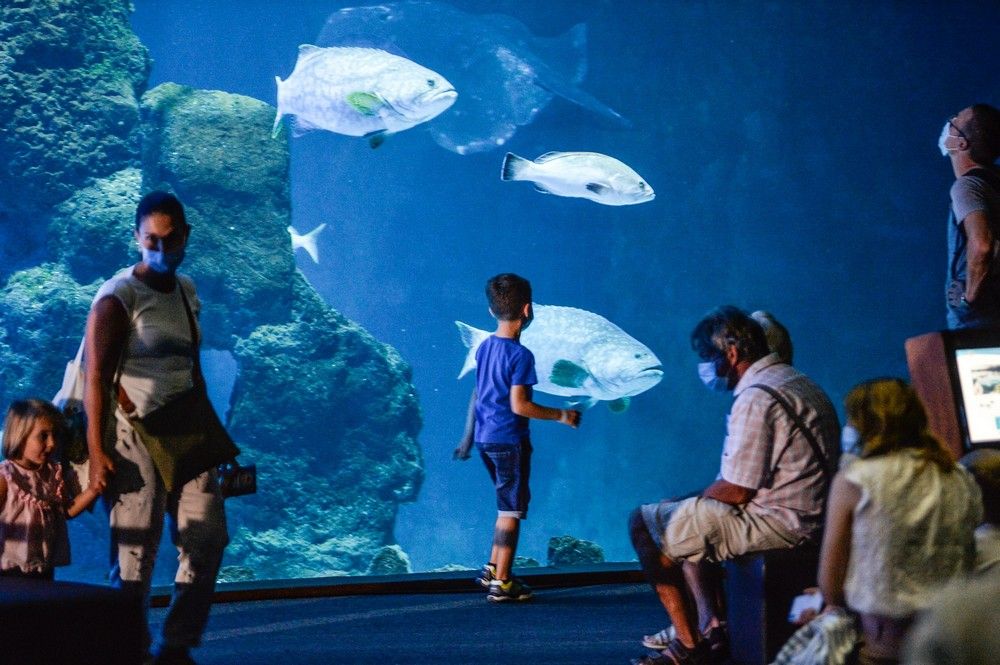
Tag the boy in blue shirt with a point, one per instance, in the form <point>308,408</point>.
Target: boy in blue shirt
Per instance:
<point>498,423</point>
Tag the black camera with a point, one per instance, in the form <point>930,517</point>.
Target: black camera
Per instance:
<point>236,480</point>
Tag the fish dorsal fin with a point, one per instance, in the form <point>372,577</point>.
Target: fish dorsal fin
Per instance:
<point>306,50</point>
<point>366,103</point>
<point>568,374</point>
<point>598,188</point>
<point>549,156</point>
<point>619,405</point>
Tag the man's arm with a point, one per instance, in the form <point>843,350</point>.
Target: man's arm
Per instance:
<point>979,253</point>
<point>521,404</point>
<point>727,492</point>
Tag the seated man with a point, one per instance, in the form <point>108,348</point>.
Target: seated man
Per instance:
<point>781,445</point>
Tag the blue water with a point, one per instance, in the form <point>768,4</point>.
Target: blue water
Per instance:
<point>792,147</point>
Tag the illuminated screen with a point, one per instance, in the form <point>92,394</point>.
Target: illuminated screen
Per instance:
<point>979,377</point>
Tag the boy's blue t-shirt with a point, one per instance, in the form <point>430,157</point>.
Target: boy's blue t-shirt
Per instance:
<point>500,364</point>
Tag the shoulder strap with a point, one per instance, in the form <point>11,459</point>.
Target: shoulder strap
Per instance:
<point>195,340</point>
<point>797,419</point>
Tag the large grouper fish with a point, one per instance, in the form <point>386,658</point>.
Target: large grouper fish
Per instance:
<point>360,92</point>
<point>580,355</point>
<point>505,74</point>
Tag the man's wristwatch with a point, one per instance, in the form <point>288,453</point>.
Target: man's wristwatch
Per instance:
<point>964,301</point>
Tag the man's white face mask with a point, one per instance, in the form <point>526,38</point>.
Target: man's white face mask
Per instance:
<point>943,139</point>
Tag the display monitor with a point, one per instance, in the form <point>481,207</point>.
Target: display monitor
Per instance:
<point>974,369</point>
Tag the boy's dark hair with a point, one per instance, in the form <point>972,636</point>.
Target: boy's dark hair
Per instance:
<point>161,202</point>
<point>983,129</point>
<point>729,325</point>
<point>507,295</point>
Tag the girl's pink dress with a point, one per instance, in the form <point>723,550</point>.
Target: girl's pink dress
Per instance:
<point>33,535</point>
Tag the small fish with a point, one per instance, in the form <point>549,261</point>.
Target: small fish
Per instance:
<point>307,241</point>
<point>360,92</point>
<point>581,355</point>
<point>585,175</point>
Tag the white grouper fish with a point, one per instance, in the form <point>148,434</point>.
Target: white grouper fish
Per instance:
<point>360,92</point>
<point>585,175</point>
<point>580,355</point>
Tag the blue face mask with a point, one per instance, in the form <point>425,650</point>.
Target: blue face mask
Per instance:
<point>714,382</point>
<point>162,262</point>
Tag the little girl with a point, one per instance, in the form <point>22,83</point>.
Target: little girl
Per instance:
<point>33,503</point>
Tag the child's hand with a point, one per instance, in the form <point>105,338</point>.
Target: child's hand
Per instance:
<point>461,452</point>
<point>569,417</point>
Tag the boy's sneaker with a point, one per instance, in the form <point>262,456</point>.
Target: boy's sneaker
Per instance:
<point>487,575</point>
<point>512,589</point>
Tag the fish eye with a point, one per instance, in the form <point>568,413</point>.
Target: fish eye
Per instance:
<point>431,82</point>
<point>642,185</point>
<point>638,355</point>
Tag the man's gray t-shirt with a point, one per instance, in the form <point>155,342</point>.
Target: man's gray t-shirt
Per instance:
<point>973,193</point>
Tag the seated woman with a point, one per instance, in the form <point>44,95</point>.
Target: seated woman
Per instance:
<point>900,519</point>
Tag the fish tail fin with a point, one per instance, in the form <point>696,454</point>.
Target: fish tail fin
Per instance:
<point>280,113</point>
<point>513,166</point>
<point>472,338</point>
<point>308,241</point>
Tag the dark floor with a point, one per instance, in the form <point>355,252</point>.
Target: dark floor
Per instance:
<point>589,625</point>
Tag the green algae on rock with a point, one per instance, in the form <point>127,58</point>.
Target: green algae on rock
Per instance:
<point>42,316</point>
<point>101,215</point>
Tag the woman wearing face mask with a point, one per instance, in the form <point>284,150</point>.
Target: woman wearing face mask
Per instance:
<point>900,519</point>
<point>141,342</point>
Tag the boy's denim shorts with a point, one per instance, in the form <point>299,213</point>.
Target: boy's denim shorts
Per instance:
<point>509,466</point>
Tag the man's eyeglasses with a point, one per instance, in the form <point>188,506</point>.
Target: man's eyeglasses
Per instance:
<point>961,134</point>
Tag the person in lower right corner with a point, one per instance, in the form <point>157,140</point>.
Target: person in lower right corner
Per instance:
<point>899,522</point>
<point>498,425</point>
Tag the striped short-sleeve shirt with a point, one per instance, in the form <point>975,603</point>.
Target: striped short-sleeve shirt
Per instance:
<point>765,450</point>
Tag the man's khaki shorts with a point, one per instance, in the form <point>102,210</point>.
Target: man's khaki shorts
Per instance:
<point>700,528</point>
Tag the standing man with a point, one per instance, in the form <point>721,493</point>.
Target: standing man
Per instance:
<point>971,140</point>
<point>780,451</point>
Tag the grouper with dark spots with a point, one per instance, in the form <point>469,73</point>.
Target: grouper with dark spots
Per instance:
<point>580,355</point>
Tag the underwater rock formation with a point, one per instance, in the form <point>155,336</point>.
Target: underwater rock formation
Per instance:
<point>570,551</point>
<point>71,73</point>
<point>340,408</point>
<point>328,413</point>
<point>42,315</point>
<point>91,232</point>
<point>389,560</point>
<point>526,562</point>
<point>214,150</point>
